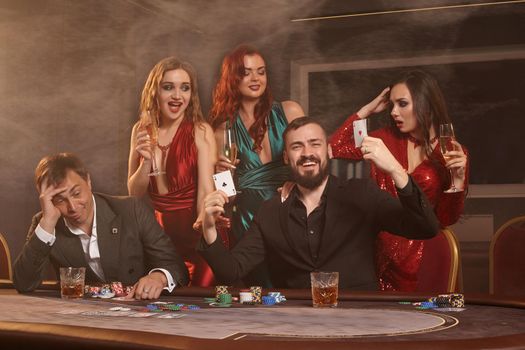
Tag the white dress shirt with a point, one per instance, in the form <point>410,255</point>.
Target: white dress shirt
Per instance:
<point>90,247</point>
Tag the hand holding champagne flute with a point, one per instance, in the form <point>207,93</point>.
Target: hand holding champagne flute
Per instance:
<point>447,142</point>
<point>229,150</point>
<point>229,146</point>
<point>147,125</point>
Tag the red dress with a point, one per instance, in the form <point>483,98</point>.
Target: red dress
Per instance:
<point>176,210</point>
<point>397,258</point>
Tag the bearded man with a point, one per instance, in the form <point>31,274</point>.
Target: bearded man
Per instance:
<point>325,223</point>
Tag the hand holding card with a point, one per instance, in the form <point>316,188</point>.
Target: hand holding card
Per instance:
<point>359,132</point>
<point>224,182</point>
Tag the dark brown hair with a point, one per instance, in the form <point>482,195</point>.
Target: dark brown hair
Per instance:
<point>430,108</point>
<point>300,122</point>
<point>55,167</point>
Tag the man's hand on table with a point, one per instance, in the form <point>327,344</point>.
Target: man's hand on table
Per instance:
<point>149,286</point>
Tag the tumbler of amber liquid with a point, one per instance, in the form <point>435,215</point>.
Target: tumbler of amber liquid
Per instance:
<point>72,282</point>
<point>325,288</point>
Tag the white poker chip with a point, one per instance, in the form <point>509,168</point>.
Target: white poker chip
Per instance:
<point>107,295</point>
<point>120,308</point>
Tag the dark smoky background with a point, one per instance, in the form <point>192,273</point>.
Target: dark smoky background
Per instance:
<point>71,73</point>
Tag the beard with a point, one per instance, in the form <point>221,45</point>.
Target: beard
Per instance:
<point>310,180</point>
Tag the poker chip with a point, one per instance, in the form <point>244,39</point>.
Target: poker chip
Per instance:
<point>225,298</point>
<point>277,296</point>
<point>128,289</point>
<point>445,301</point>
<point>194,307</point>
<point>106,295</point>
<point>428,305</point>
<point>172,307</point>
<point>245,297</point>
<point>210,300</point>
<point>119,308</point>
<point>220,290</point>
<point>215,304</point>
<point>457,300</point>
<point>256,294</point>
<point>268,300</point>
<point>118,289</point>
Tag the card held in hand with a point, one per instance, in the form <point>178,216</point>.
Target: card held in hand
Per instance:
<point>359,131</point>
<point>224,182</point>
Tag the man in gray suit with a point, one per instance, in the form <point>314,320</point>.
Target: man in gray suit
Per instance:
<point>114,238</point>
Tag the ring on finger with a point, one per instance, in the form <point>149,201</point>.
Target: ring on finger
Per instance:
<point>365,150</point>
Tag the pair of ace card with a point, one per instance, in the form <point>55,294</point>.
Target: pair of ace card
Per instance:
<point>224,180</point>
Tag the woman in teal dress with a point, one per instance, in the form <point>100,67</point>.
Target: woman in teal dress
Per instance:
<point>242,100</point>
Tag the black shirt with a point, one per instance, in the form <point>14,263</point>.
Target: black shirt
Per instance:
<point>309,227</point>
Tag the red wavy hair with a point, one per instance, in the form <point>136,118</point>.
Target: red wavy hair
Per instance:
<point>227,96</point>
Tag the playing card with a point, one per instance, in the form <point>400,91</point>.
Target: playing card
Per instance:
<point>224,182</point>
<point>359,131</point>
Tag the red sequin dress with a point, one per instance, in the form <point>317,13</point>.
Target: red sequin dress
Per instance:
<point>176,210</point>
<point>397,258</point>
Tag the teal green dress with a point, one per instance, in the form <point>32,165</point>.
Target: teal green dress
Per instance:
<point>256,181</point>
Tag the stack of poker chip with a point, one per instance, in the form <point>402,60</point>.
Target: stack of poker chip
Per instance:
<point>220,290</point>
<point>457,300</point>
<point>450,300</point>
<point>225,298</point>
<point>443,300</point>
<point>245,296</point>
<point>91,290</point>
<point>268,300</point>
<point>256,294</point>
<point>128,290</point>
<point>118,289</point>
<point>277,296</point>
<point>106,292</point>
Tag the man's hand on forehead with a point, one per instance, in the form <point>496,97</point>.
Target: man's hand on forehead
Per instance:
<point>49,188</point>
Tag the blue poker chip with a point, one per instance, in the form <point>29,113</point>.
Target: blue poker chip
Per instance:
<point>152,307</point>
<point>428,305</point>
<point>268,300</point>
<point>194,307</point>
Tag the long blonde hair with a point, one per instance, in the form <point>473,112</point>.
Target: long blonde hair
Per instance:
<point>149,105</point>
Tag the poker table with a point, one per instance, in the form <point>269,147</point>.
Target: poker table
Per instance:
<point>362,320</point>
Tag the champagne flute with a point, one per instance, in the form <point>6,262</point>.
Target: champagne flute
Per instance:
<point>229,145</point>
<point>153,137</point>
<point>446,136</point>
<point>229,150</point>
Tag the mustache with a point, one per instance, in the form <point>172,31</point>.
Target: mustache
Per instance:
<point>305,159</point>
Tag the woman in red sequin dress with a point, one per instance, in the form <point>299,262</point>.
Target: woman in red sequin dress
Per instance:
<point>184,151</point>
<point>418,108</point>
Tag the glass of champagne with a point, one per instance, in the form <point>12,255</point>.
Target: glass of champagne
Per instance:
<point>446,136</point>
<point>229,146</point>
<point>229,150</point>
<point>153,137</point>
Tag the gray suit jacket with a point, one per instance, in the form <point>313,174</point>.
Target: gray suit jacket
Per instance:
<point>130,241</point>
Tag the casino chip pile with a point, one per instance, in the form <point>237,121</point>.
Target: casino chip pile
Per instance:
<point>443,302</point>
<point>160,306</point>
<point>108,290</point>
<point>252,296</point>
